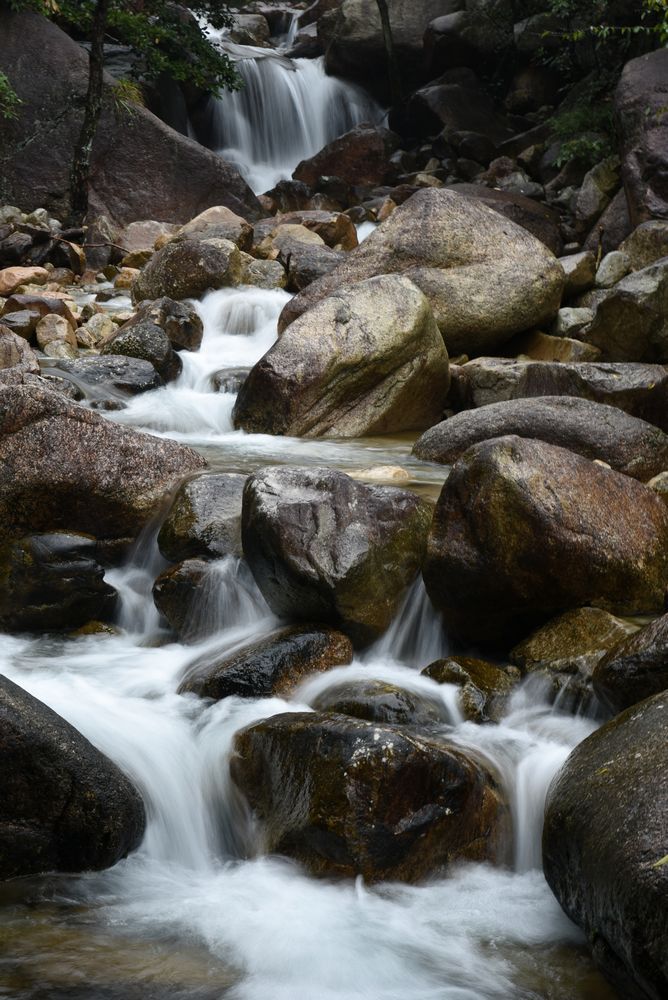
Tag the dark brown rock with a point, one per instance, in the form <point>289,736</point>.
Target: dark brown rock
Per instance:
<point>572,643</point>
<point>63,805</point>
<point>347,797</point>
<point>360,157</point>
<point>634,669</point>
<point>604,846</point>
<point>141,168</point>
<point>335,228</point>
<point>188,268</point>
<point>271,666</point>
<point>325,548</point>
<point>524,530</point>
<point>65,467</point>
<point>593,430</point>
<point>177,592</point>
<point>485,687</point>
<point>380,701</point>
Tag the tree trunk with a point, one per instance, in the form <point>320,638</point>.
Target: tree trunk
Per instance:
<point>80,173</point>
<point>393,72</point>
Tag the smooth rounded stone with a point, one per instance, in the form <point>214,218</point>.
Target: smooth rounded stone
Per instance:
<point>486,278</point>
<point>112,374</point>
<point>64,806</point>
<point>204,519</point>
<point>52,328</point>
<point>63,467</point>
<point>593,430</point>
<point>180,322</point>
<point>348,797</point>
<point>16,353</point>
<point>614,266</point>
<point>272,666</point>
<point>148,342</point>
<point>539,220</point>
<point>305,263</point>
<point>325,548</point>
<point>336,229</point>
<point>376,365</point>
<point>143,234</point>
<point>640,101</point>
<point>570,321</point>
<point>380,701</point>
<point>572,643</point>
<point>52,582</point>
<point>41,304</point>
<point>635,668</point>
<point>176,593</point>
<point>188,268</point>
<point>11,278</point>
<point>222,223</point>
<point>631,321</point>
<point>263,274</point>
<point>524,530</point>
<point>230,379</point>
<point>604,846</point>
<point>484,687</point>
<point>647,243</point>
<point>359,157</point>
<point>98,328</point>
<point>580,271</point>
<point>641,390</point>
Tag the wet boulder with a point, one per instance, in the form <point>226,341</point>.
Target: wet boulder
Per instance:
<point>360,157</point>
<point>325,548</point>
<point>348,797</point>
<point>380,701</point>
<point>635,668</point>
<point>596,431</point>
<point>639,389</point>
<point>147,341</point>
<point>640,102</point>
<point>272,666</point>
<point>365,360</point>
<point>524,530</point>
<point>187,268</point>
<point>52,582</point>
<point>604,846</point>
<point>63,467</point>
<point>486,278</point>
<point>204,519</point>
<point>111,376</point>
<point>571,643</point>
<point>178,591</point>
<point>484,687</point>
<point>63,805</point>
<point>179,321</point>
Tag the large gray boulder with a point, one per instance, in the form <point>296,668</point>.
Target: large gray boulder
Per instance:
<point>640,104</point>
<point>349,797</point>
<point>604,846</point>
<point>324,548</point>
<point>485,277</point>
<point>187,268</point>
<point>204,519</point>
<point>524,530</point>
<point>365,360</point>
<point>141,167</point>
<point>63,805</point>
<point>594,430</point>
<point>639,389</point>
<point>63,467</point>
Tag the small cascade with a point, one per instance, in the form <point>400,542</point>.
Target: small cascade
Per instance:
<point>286,112</point>
<point>416,637</point>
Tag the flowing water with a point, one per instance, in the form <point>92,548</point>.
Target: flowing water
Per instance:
<point>196,912</point>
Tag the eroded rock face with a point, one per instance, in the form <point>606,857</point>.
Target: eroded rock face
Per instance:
<point>640,101</point>
<point>366,360</point>
<point>63,805</point>
<point>205,519</point>
<point>324,548</point>
<point>604,846</point>
<point>596,431</point>
<point>638,389</point>
<point>348,797</point>
<point>635,668</point>
<point>486,278</point>
<point>63,467</point>
<point>52,582</point>
<point>272,666</point>
<point>524,530</point>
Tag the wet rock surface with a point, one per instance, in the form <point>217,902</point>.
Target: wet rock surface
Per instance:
<point>379,701</point>
<point>63,805</point>
<point>604,847</point>
<point>635,668</point>
<point>485,687</point>
<point>205,519</point>
<point>347,797</point>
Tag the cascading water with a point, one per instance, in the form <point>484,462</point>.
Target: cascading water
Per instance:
<point>196,913</point>
<point>286,112</point>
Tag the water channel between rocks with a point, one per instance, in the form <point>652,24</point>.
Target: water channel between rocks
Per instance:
<point>194,913</point>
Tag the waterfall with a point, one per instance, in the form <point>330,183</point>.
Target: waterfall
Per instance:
<point>286,112</point>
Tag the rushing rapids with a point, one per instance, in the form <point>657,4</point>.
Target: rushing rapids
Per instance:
<point>196,912</point>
